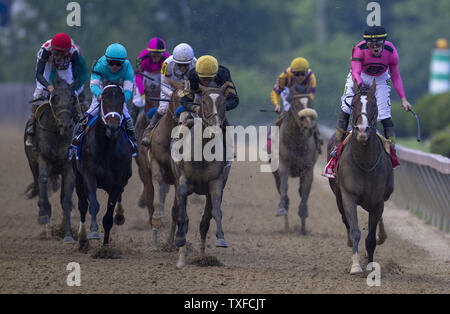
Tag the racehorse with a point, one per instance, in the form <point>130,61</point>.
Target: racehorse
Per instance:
<point>298,154</point>
<point>105,163</point>
<point>364,175</point>
<point>202,177</point>
<point>152,90</point>
<point>159,159</point>
<point>49,157</point>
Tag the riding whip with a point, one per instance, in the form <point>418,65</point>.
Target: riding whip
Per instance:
<point>419,139</point>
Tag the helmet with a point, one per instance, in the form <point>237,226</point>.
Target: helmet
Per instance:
<point>61,42</point>
<point>183,53</point>
<point>375,33</point>
<point>299,64</point>
<point>116,52</point>
<point>156,45</point>
<point>207,66</point>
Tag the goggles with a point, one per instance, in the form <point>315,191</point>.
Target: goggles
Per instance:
<point>300,73</point>
<point>115,63</point>
<point>375,43</point>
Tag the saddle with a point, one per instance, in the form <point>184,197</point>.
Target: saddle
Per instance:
<point>331,168</point>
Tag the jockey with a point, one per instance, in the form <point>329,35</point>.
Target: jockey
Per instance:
<point>209,73</point>
<point>371,60</point>
<point>62,55</point>
<point>302,79</point>
<point>175,68</point>
<point>112,67</point>
<point>299,74</point>
<point>149,62</point>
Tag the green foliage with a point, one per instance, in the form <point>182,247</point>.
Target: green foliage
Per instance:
<point>256,40</point>
<point>440,143</point>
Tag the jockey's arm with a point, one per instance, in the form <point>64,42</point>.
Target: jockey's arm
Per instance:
<point>280,84</point>
<point>40,68</point>
<point>312,84</point>
<point>96,82</point>
<point>128,81</point>
<point>75,60</point>
<point>356,64</point>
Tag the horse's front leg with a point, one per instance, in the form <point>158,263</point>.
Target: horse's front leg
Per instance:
<point>83,242</point>
<point>90,183</point>
<point>67,187</point>
<point>283,206</point>
<point>306,180</point>
<point>182,220</point>
<point>371,241</point>
<point>108,219</point>
<point>45,208</point>
<point>205,223</point>
<point>349,202</point>
<point>216,192</point>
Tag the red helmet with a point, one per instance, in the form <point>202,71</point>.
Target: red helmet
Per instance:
<point>61,42</point>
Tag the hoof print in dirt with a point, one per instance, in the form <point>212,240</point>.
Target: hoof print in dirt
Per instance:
<point>107,253</point>
<point>205,261</point>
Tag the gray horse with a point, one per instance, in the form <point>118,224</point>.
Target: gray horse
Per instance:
<point>298,154</point>
<point>364,175</point>
<point>202,177</point>
<point>49,156</point>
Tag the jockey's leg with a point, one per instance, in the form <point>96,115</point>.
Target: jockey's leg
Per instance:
<point>389,132</point>
<point>130,129</point>
<point>82,124</point>
<point>341,128</point>
<point>154,115</point>
<point>38,93</point>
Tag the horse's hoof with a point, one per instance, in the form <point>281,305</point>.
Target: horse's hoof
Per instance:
<point>282,212</point>
<point>68,240</point>
<point>119,220</point>
<point>94,236</point>
<point>43,220</point>
<point>356,269</point>
<point>221,243</point>
<point>181,264</point>
<point>179,242</point>
<point>303,232</point>
<point>83,246</point>
<point>381,240</point>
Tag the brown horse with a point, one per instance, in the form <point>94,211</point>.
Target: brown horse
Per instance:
<point>159,161</point>
<point>364,175</point>
<point>197,173</point>
<point>297,154</point>
<point>152,90</point>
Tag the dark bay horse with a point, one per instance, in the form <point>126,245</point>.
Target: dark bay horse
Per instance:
<point>161,171</point>
<point>49,157</point>
<point>105,163</point>
<point>364,175</point>
<point>152,90</point>
<point>298,154</point>
<point>204,177</point>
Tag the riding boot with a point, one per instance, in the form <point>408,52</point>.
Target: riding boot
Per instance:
<point>389,132</point>
<point>341,128</point>
<point>79,130</point>
<point>132,136</point>
<point>31,125</point>
<point>146,141</point>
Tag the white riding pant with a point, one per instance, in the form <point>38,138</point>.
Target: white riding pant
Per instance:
<point>382,93</point>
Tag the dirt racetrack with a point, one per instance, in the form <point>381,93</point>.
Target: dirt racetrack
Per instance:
<point>262,258</point>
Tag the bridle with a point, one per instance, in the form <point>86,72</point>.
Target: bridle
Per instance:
<point>55,114</point>
<point>112,113</point>
<point>363,92</point>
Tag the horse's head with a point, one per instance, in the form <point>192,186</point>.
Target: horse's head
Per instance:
<point>308,119</point>
<point>152,90</point>
<point>62,105</point>
<point>365,112</point>
<point>213,105</point>
<point>111,109</point>
<point>304,118</point>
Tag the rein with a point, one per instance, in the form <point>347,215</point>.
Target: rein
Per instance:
<point>112,113</point>
<point>54,115</point>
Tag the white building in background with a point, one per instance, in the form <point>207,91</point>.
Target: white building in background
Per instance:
<point>440,68</point>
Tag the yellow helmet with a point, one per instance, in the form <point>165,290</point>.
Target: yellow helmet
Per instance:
<point>207,66</point>
<point>299,64</point>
